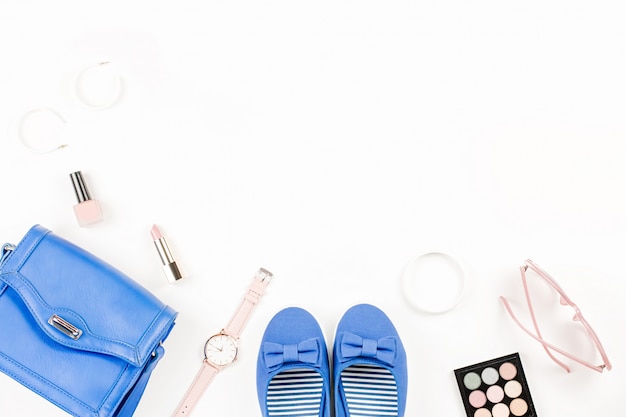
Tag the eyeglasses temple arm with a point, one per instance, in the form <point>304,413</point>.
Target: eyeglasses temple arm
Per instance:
<point>534,320</point>
<point>565,300</point>
<point>546,344</point>
<point>595,339</point>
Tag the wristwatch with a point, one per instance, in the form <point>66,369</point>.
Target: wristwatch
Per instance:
<point>220,350</point>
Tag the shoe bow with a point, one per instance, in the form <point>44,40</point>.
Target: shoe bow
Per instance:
<point>307,351</point>
<point>353,346</point>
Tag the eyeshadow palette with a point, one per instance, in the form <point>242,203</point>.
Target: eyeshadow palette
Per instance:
<point>495,388</point>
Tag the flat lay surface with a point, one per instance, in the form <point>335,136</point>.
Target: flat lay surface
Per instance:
<point>334,143</point>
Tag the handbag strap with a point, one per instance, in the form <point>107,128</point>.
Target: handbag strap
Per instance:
<point>127,409</point>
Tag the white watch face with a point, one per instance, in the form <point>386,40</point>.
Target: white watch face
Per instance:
<point>220,349</point>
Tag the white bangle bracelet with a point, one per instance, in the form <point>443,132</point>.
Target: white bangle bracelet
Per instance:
<point>433,282</point>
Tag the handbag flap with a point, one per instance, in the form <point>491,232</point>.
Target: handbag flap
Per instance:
<point>82,302</point>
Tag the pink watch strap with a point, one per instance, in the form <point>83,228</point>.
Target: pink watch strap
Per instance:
<point>195,391</point>
<point>254,293</point>
<point>233,329</point>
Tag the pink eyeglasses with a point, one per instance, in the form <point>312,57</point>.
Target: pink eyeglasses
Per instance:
<point>565,300</point>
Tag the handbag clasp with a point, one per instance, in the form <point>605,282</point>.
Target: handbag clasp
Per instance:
<point>64,326</point>
<point>6,248</point>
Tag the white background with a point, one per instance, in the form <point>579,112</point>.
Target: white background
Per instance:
<point>331,142</point>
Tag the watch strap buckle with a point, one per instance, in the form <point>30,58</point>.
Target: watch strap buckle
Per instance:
<point>264,275</point>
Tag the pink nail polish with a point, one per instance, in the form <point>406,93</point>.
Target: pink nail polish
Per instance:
<point>87,210</point>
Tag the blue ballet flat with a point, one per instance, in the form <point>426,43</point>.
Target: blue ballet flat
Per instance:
<point>369,365</point>
<point>293,374</point>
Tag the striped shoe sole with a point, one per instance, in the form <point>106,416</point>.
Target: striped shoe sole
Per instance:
<point>370,391</point>
<point>295,393</point>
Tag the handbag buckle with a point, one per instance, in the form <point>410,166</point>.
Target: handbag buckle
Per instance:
<point>6,248</point>
<point>65,327</point>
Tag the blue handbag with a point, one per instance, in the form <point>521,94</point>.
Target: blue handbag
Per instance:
<point>74,329</point>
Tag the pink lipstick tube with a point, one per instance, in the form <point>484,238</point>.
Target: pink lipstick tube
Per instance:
<point>169,264</point>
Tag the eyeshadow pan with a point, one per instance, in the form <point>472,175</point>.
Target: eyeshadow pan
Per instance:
<point>513,389</point>
<point>500,410</point>
<point>490,376</point>
<point>477,399</point>
<point>495,393</point>
<point>472,380</point>
<point>508,371</point>
<point>495,388</point>
<point>519,407</point>
<point>482,412</point>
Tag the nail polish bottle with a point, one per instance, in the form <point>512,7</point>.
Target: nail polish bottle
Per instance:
<point>87,211</point>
